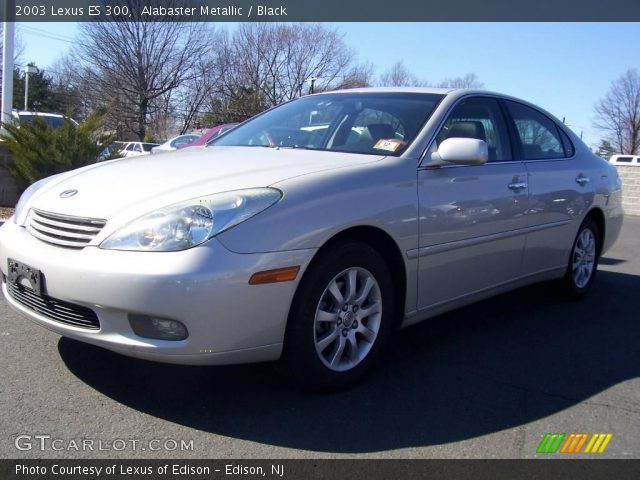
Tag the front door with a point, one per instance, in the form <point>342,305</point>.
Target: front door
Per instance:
<point>472,218</point>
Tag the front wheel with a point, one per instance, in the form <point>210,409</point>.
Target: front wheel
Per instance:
<point>583,262</point>
<point>340,318</point>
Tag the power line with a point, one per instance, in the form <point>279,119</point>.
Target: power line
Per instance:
<point>40,30</point>
<point>43,33</point>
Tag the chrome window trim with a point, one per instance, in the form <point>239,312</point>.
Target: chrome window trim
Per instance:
<point>508,162</point>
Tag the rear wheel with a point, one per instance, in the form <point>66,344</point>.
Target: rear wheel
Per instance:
<point>583,262</point>
<point>340,318</point>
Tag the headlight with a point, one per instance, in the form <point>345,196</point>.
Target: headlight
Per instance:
<point>185,225</point>
<point>26,196</point>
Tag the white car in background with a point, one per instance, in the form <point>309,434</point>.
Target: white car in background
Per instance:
<point>53,119</point>
<point>625,159</point>
<point>175,143</point>
<point>135,149</point>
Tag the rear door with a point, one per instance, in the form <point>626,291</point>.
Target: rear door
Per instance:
<point>472,218</point>
<point>560,188</point>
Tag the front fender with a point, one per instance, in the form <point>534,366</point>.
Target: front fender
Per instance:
<point>317,206</point>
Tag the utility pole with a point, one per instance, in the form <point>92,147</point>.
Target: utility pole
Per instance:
<point>312,81</point>
<point>7,59</point>
<point>28,70</point>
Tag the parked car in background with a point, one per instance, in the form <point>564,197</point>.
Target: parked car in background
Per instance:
<point>53,119</point>
<point>210,135</point>
<point>625,159</point>
<point>175,143</point>
<point>111,151</point>
<point>134,149</point>
<point>310,245</point>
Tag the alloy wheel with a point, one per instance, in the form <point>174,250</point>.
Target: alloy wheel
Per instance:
<point>584,256</point>
<point>347,319</point>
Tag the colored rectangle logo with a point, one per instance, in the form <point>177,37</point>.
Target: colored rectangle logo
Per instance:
<point>574,443</point>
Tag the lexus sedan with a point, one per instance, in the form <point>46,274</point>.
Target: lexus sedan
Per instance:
<point>308,233</point>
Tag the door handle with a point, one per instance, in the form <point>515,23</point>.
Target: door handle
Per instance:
<point>582,180</point>
<point>517,186</point>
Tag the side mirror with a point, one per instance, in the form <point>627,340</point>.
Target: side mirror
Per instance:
<point>460,151</point>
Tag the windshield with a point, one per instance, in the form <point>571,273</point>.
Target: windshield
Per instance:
<point>367,123</point>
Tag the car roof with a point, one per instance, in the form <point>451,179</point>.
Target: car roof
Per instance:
<point>40,114</point>
<point>440,91</point>
<point>452,92</point>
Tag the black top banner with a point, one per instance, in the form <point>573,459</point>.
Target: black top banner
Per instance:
<point>321,10</point>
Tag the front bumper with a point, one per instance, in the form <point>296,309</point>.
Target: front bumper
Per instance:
<point>206,288</point>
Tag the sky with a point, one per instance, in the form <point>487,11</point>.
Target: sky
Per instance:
<point>562,67</point>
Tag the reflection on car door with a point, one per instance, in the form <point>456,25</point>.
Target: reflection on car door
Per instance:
<point>472,218</point>
<point>560,189</point>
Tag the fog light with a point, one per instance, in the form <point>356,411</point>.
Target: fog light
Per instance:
<point>158,328</point>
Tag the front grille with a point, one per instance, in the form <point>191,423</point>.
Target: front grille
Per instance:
<point>54,309</point>
<point>63,230</point>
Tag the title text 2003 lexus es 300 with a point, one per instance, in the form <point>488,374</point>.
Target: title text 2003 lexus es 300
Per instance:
<point>311,231</point>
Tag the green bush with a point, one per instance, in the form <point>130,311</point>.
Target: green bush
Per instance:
<point>38,150</point>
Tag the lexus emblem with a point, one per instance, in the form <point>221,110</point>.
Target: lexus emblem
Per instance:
<point>68,193</point>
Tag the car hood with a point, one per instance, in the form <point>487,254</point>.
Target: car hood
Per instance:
<point>134,186</point>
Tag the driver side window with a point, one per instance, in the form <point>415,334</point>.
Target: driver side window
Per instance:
<point>480,118</point>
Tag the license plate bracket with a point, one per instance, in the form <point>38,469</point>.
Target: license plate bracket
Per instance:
<point>21,274</point>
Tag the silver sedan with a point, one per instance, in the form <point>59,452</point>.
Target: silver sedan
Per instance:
<point>308,233</point>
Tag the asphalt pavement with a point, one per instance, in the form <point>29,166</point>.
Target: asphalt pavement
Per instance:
<point>486,381</point>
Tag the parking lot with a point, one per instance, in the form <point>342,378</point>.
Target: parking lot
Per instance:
<point>487,381</point>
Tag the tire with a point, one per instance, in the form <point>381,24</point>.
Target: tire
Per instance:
<point>583,261</point>
<point>334,336</point>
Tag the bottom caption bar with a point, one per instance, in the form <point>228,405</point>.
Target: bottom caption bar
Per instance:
<point>16,469</point>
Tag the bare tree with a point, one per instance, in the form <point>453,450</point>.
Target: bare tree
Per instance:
<point>470,80</point>
<point>358,76</point>
<point>67,81</point>
<point>400,76</point>
<point>130,66</point>
<point>618,114</point>
<point>264,64</point>
<point>605,150</point>
<point>194,94</point>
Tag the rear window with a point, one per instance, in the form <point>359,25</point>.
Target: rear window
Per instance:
<point>569,149</point>
<point>538,134</point>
